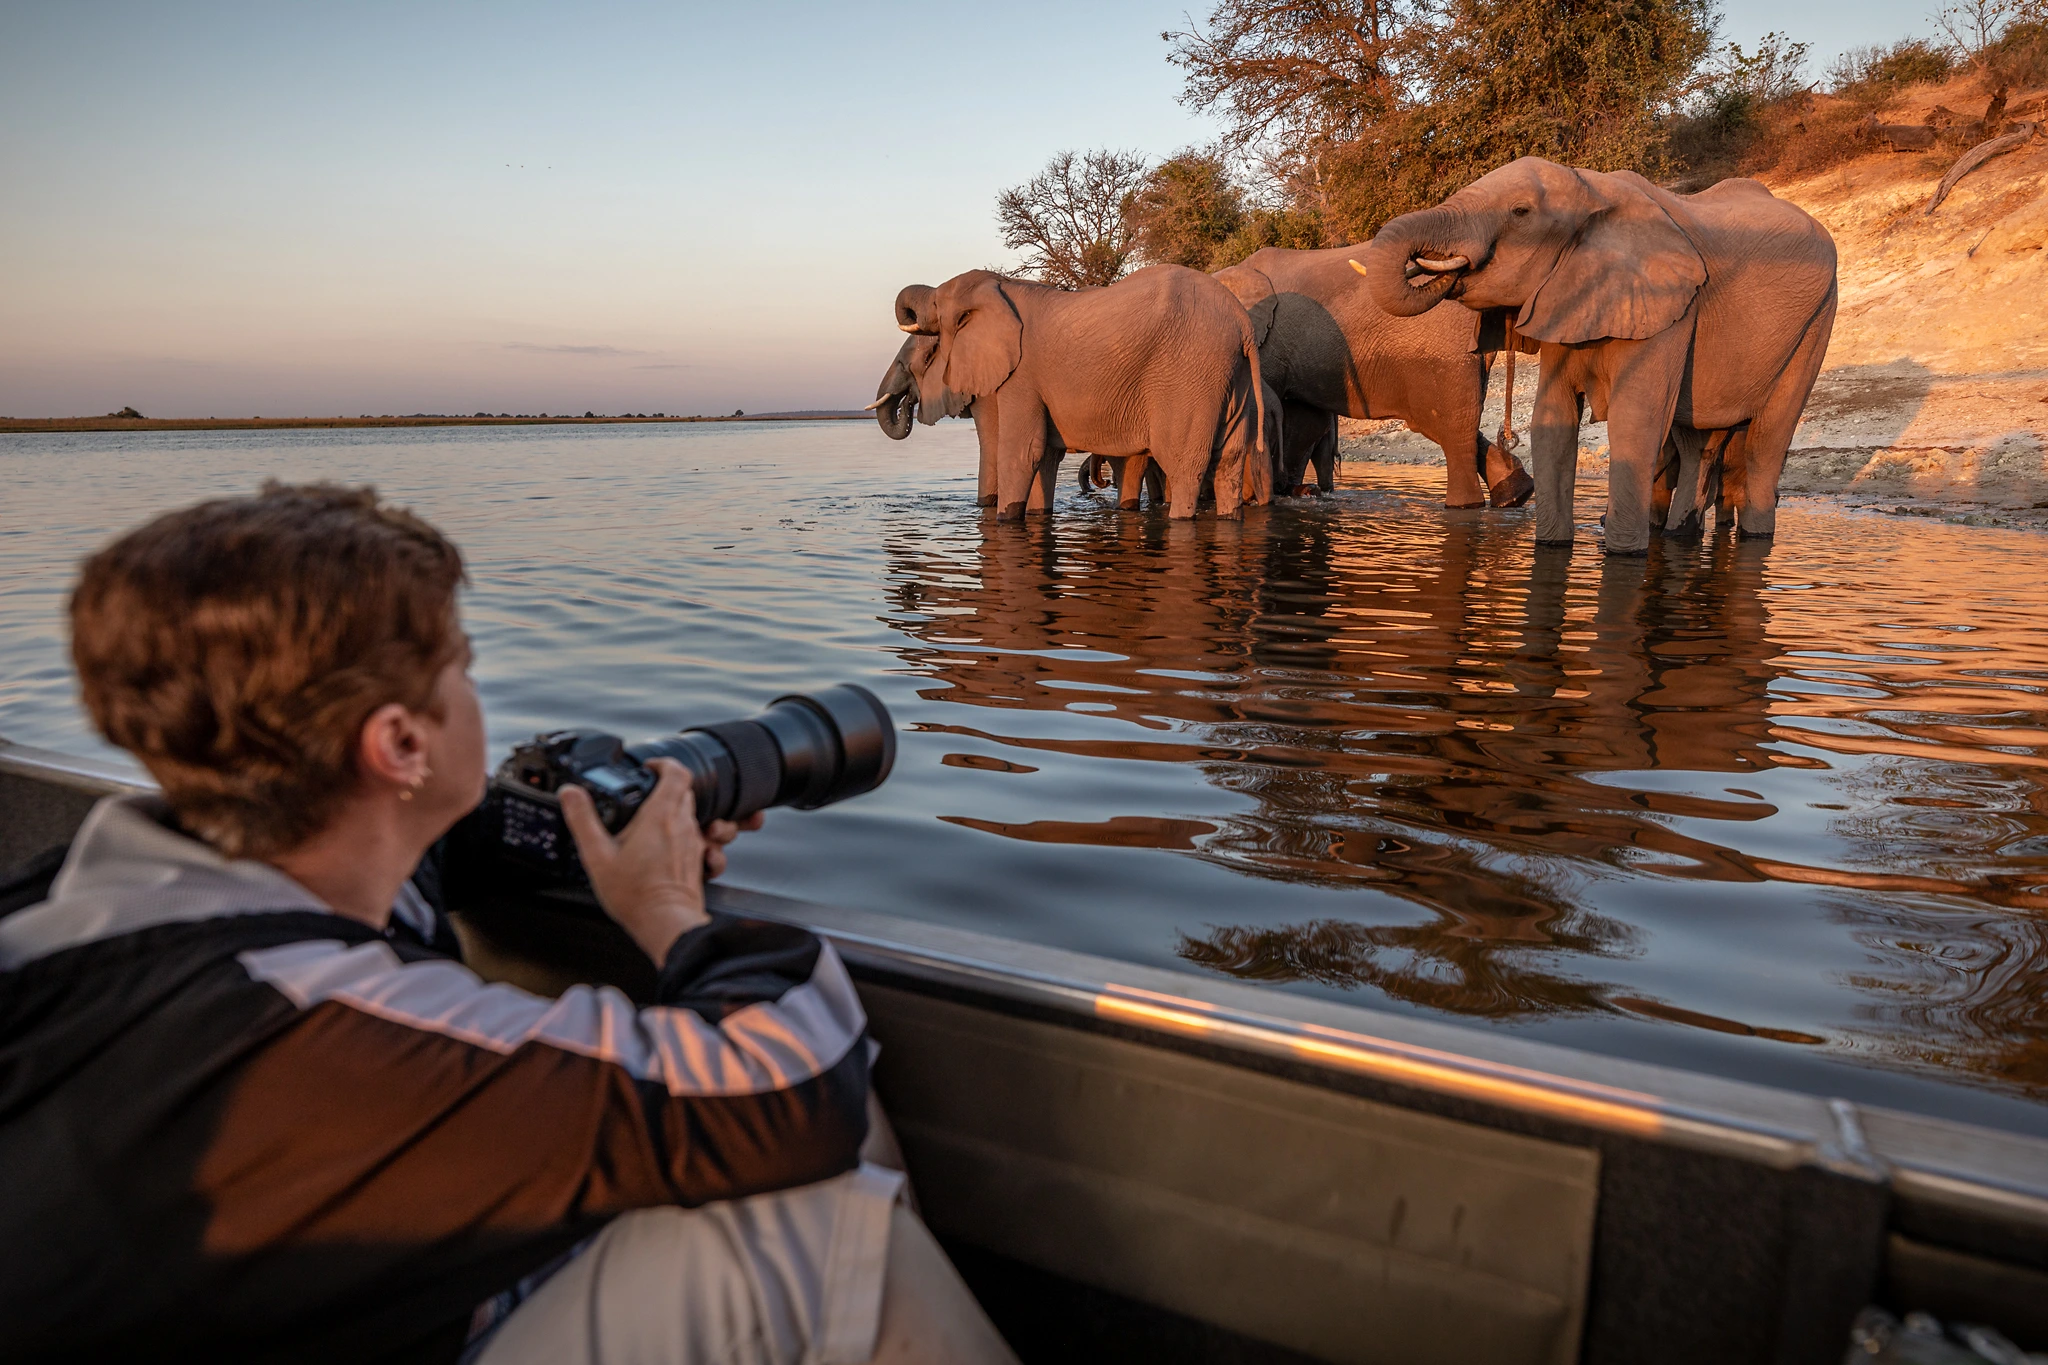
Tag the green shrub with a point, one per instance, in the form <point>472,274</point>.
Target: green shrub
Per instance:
<point>1876,73</point>
<point>2020,57</point>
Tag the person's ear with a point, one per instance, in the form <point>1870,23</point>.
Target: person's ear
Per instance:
<point>1630,273</point>
<point>391,748</point>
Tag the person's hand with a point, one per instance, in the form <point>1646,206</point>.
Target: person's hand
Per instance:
<point>718,835</point>
<point>650,878</point>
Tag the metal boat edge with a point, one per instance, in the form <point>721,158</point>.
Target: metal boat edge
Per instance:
<point>1933,1184</point>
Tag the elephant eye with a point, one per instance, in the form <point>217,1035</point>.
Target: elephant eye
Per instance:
<point>1521,210</point>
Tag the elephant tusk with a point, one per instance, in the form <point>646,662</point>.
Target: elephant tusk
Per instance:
<point>906,327</point>
<point>878,402</point>
<point>1359,268</point>
<point>1445,266</point>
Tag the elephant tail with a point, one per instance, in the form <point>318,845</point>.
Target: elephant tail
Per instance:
<point>1251,355</point>
<point>1255,482</point>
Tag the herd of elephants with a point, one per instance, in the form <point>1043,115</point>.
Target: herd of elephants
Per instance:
<point>1692,324</point>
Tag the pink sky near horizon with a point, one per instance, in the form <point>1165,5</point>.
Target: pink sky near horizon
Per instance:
<point>243,209</point>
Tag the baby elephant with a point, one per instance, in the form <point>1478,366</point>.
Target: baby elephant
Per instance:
<point>1899,137</point>
<point>1161,363</point>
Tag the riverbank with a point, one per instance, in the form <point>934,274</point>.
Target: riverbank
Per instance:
<point>50,424</point>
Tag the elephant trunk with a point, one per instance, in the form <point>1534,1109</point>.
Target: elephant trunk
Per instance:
<point>914,309</point>
<point>896,397</point>
<point>1416,260</point>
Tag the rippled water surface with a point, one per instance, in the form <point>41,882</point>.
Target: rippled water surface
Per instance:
<point>1772,811</point>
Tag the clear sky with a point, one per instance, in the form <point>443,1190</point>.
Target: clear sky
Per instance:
<point>285,209</point>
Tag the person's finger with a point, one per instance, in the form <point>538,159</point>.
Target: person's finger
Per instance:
<point>755,821</point>
<point>674,794</point>
<point>721,832</point>
<point>714,862</point>
<point>593,840</point>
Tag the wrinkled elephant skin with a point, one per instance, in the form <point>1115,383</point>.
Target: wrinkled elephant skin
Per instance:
<point>1692,324</point>
<point>1327,345</point>
<point>1161,364</point>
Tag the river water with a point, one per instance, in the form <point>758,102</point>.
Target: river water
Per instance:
<point>1773,811</point>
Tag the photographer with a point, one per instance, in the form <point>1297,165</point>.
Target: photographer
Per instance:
<point>252,1104</point>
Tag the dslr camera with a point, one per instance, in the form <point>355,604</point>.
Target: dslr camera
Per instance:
<point>802,751</point>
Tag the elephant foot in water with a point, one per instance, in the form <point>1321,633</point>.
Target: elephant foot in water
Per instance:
<point>1307,490</point>
<point>1512,491</point>
<point>1692,528</point>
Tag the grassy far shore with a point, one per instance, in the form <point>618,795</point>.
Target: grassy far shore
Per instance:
<point>35,424</point>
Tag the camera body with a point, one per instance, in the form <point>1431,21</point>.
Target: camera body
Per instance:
<point>802,751</point>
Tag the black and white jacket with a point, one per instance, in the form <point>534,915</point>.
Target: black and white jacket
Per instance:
<point>233,1122</point>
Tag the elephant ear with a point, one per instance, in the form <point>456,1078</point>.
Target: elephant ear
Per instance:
<point>1254,289</point>
<point>981,339</point>
<point>1631,272</point>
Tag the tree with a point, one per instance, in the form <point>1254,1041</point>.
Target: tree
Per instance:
<point>1374,107</point>
<point>1770,73</point>
<point>1299,71</point>
<point>1973,27</point>
<point>1910,61</point>
<point>1188,207</point>
<point>1072,220</point>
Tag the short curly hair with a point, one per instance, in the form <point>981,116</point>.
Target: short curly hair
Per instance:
<point>236,647</point>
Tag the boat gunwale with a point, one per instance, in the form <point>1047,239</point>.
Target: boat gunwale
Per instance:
<point>1773,1127</point>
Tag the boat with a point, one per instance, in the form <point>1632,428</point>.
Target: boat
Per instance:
<point>1136,1164</point>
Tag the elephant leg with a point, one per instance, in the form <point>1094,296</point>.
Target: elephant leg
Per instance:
<point>1664,480</point>
<point>1191,468</point>
<point>1131,474</point>
<point>1022,453</point>
<point>1682,505</point>
<point>1045,480</point>
<point>1155,482</point>
<point>1770,431</point>
<point>986,435</point>
<point>1300,428</point>
<point>1462,454</point>
<point>1725,481</point>
<point>1554,450</point>
<point>1324,456</point>
<point>1645,382</point>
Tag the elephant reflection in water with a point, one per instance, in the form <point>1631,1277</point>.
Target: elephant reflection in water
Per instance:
<point>1418,717</point>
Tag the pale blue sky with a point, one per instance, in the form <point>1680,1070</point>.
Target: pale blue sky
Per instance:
<point>283,209</point>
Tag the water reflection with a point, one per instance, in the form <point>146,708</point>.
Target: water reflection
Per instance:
<point>1538,750</point>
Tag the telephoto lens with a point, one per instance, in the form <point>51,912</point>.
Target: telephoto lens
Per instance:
<point>802,751</point>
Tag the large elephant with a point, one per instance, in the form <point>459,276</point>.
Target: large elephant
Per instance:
<point>898,404</point>
<point>1160,365</point>
<point>1687,320</point>
<point>1327,348</point>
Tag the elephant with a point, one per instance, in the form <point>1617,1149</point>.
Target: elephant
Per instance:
<point>897,404</point>
<point>1139,473</point>
<point>1327,348</point>
<point>1161,365</point>
<point>1689,322</point>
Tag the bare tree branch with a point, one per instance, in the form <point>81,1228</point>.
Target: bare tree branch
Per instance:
<point>1072,219</point>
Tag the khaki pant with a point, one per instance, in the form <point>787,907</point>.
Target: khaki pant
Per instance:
<point>792,1278</point>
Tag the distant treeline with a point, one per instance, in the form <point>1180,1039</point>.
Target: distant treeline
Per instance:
<point>1341,114</point>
